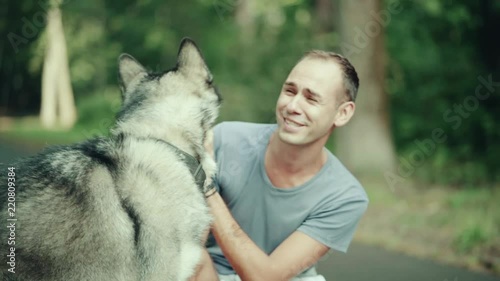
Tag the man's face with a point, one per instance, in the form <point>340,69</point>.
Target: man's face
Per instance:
<point>308,104</point>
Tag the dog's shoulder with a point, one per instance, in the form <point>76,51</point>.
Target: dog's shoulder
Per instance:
<point>68,161</point>
<point>99,150</point>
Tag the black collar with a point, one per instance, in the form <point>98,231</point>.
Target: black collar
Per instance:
<point>192,163</point>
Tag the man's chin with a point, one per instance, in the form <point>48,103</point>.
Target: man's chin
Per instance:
<point>290,138</point>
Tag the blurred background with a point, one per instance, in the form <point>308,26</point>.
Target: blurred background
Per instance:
<point>424,141</point>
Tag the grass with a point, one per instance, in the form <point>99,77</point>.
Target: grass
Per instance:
<point>460,227</point>
<point>27,130</point>
<point>96,114</point>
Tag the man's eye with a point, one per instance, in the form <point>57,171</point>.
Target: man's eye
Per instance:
<point>290,91</point>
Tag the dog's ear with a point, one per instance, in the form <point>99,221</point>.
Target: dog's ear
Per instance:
<point>190,60</point>
<point>128,69</point>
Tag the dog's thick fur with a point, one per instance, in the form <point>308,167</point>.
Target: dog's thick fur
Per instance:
<point>124,207</point>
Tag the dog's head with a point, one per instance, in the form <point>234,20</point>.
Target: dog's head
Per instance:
<point>177,105</point>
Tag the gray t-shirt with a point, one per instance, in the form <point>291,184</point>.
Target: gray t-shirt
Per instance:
<point>327,207</point>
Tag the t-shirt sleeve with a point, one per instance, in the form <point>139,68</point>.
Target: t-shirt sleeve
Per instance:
<point>334,224</point>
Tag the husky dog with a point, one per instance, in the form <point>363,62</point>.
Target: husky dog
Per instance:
<point>126,207</point>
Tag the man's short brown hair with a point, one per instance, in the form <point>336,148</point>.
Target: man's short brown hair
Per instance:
<point>351,80</point>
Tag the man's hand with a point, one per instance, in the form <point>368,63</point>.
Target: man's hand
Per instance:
<point>209,144</point>
<point>208,164</point>
<point>209,149</point>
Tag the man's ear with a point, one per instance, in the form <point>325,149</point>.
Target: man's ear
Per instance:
<point>344,113</point>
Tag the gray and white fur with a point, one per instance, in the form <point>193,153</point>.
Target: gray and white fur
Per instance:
<point>125,207</point>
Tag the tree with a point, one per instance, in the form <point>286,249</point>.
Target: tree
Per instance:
<point>245,19</point>
<point>324,10</point>
<point>57,94</point>
<point>365,145</point>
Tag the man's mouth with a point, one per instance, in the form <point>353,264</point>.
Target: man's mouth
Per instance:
<point>292,123</point>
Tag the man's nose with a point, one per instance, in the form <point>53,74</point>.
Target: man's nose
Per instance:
<point>293,107</point>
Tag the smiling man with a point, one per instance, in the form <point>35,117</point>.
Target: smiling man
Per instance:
<point>283,200</point>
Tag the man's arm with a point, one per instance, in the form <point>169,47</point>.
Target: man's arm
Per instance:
<point>292,256</point>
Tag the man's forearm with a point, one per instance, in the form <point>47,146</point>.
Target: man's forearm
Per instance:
<point>247,259</point>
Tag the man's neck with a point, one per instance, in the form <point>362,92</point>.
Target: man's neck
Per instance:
<point>291,165</point>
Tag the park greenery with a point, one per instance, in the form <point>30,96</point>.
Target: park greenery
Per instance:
<point>441,86</point>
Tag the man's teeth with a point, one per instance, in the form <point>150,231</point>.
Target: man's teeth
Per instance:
<point>291,123</point>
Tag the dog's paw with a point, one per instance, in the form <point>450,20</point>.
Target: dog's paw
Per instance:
<point>210,168</point>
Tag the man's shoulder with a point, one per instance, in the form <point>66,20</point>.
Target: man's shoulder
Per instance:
<point>343,182</point>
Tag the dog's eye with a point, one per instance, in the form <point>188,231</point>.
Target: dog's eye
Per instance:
<point>210,82</point>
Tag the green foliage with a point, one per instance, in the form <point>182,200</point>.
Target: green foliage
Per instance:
<point>18,32</point>
<point>470,237</point>
<point>436,64</point>
<point>98,112</point>
<point>470,197</point>
<point>437,51</point>
<point>475,217</point>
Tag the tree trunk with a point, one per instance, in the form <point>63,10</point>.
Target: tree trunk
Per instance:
<point>365,144</point>
<point>324,10</point>
<point>245,18</point>
<point>67,108</point>
<point>245,15</point>
<point>57,94</point>
<point>48,110</point>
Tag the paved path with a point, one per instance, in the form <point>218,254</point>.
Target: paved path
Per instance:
<point>361,263</point>
<point>366,263</point>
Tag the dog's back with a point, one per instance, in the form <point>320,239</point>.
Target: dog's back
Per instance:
<point>68,213</point>
<point>105,210</point>
<point>125,207</point>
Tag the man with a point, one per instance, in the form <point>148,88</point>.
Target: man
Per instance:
<point>283,199</point>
